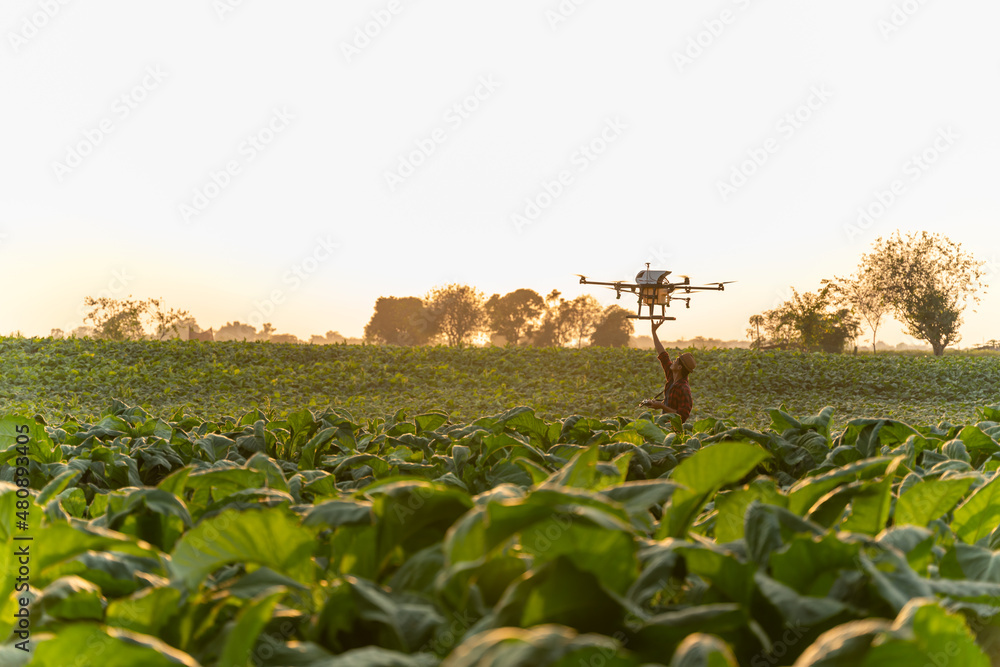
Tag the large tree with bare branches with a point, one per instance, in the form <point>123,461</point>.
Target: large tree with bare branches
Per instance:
<point>928,280</point>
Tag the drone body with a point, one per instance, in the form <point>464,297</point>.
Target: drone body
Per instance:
<point>654,288</point>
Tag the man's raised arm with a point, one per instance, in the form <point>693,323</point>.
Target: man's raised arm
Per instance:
<point>656,339</point>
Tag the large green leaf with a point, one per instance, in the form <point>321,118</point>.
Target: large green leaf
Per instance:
<point>607,554</point>
<point>928,499</point>
<point>559,592</point>
<point>924,631</point>
<point>846,645</point>
<point>271,537</point>
<point>238,649</point>
<point>732,507</point>
<point>800,610</point>
<point>71,599</point>
<point>39,446</point>
<point>972,562</point>
<point>870,505</point>
<point>978,516</point>
<point>726,573</point>
<point>585,471</point>
<point>701,475</point>
<point>664,632</point>
<point>414,514</point>
<point>806,492</point>
<point>701,650</point>
<point>812,564</point>
<point>55,487</point>
<point>336,513</point>
<point>145,612</point>
<point>91,644</point>
<point>542,646</point>
<point>64,541</point>
<point>225,481</point>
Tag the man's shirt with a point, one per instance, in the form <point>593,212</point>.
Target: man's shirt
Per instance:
<point>676,393</point>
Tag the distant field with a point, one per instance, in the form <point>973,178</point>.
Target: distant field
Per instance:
<point>209,380</point>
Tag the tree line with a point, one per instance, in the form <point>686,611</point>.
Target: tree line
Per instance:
<point>451,315</point>
<point>923,280</point>
<point>460,314</point>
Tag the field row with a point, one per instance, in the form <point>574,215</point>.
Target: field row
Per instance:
<point>211,380</point>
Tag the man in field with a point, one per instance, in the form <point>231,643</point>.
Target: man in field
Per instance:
<point>676,391</point>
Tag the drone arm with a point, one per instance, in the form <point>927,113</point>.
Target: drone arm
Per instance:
<point>584,281</point>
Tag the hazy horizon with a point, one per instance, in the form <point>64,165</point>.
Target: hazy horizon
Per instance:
<point>247,162</point>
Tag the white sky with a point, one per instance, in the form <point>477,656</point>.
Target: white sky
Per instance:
<point>881,94</point>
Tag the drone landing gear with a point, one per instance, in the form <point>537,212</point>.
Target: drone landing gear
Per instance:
<point>650,317</point>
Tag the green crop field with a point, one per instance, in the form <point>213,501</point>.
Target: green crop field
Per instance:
<point>211,380</point>
<point>228,505</point>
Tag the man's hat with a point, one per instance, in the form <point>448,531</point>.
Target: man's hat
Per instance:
<point>687,360</point>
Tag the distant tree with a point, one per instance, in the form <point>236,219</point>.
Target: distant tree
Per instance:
<point>544,335</point>
<point>83,332</point>
<point>116,319</point>
<point>236,331</point>
<point>809,321</point>
<point>129,319</point>
<point>864,296</point>
<point>515,314</point>
<point>754,333</point>
<point>331,338</point>
<point>57,333</point>
<point>614,329</point>
<point>582,316</point>
<point>399,321</point>
<point>266,331</point>
<point>553,329</point>
<point>164,321</point>
<point>284,338</point>
<point>190,323</point>
<point>928,280</point>
<point>458,312</point>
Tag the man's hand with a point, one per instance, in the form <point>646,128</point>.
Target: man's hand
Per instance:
<point>656,325</point>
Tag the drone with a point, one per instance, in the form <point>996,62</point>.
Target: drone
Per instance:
<point>652,288</point>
